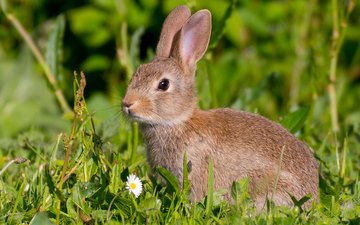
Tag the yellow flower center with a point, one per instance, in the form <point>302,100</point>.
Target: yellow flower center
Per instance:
<point>132,185</point>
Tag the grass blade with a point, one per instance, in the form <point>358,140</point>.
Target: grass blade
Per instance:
<point>218,33</point>
<point>41,218</point>
<point>210,191</point>
<point>54,48</point>
<point>186,184</point>
<point>295,120</point>
<point>172,181</point>
<point>18,199</point>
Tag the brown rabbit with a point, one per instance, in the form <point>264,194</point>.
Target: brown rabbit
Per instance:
<point>162,98</point>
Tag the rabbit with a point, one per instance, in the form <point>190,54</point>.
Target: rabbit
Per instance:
<point>162,98</point>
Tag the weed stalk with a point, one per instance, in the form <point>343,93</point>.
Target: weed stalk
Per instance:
<point>79,106</point>
<point>338,35</point>
<point>40,58</point>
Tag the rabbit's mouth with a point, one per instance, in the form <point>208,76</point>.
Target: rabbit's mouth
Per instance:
<point>130,113</point>
<point>133,116</point>
<point>128,109</point>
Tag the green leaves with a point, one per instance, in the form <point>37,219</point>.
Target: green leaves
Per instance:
<point>90,23</point>
<point>295,120</point>
<point>115,177</point>
<point>90,169</point>
<point>41,218</point>
<point>171,180</point>
<point>218,33</point>
<point>240,191</point>
<point>150,203</point>
<point>299,203</point>
<point>54,48</point>
<point>88,189</point>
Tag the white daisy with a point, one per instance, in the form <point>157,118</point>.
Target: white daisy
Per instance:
<point>134,185</point>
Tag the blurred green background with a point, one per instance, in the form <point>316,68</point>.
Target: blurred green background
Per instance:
<point>273,57</point>
<point>268,57</point>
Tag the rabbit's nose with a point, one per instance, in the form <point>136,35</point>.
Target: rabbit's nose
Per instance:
<point>126,106</point>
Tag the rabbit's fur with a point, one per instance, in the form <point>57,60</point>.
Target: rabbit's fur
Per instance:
<point>241,144</point>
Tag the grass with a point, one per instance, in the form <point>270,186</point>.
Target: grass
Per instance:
<point>70,166</point>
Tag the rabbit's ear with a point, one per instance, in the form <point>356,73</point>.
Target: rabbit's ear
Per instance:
<point>194,38</point>
<point>172,24</point>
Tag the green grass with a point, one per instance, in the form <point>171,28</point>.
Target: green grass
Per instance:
<point>62,164</point>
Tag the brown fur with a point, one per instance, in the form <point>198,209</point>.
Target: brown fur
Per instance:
<point>241,144</point>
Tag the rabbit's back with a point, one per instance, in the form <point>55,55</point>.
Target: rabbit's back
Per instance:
<point>241,144</point>
<point>263,150</point>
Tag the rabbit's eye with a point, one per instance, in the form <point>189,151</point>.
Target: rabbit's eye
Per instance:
<point>164,84</point>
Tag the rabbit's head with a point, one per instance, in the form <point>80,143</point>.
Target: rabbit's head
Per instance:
<point>164,90</point>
